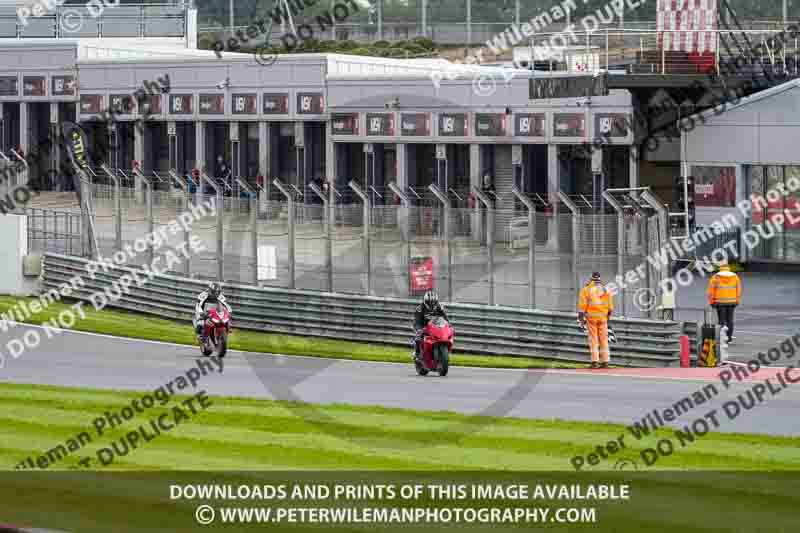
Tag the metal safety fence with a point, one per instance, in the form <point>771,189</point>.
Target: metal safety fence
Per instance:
<point>55,231</point>
<point>53,21</point>
<point>497,330</point>
<point>732,51</point>
<point>519,257</point>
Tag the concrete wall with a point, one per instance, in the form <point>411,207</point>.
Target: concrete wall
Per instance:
<point>13,248</point>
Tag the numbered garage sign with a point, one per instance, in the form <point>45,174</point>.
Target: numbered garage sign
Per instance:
<point>420,270</point>
<point>267,263</point>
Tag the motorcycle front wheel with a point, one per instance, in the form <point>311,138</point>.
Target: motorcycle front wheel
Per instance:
<point>442,355</point>
<point>222,344</point>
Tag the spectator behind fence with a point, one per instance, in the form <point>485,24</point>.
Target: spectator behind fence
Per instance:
<point>488,187</point>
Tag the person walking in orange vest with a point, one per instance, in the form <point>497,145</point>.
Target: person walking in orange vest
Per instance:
<point>724,294</point>
<point>595,305</point>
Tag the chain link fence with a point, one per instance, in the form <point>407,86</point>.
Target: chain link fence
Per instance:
<point>469,255</point>
<point>55,231</point>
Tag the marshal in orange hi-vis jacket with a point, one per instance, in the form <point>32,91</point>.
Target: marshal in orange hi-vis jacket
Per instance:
<point>724,294</point>
<point>725,288</point>
<point>595,305</point>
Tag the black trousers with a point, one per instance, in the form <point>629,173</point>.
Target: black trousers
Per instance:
<point>725,316</point>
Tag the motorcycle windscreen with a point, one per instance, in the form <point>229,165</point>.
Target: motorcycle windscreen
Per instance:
<point>438,322</point>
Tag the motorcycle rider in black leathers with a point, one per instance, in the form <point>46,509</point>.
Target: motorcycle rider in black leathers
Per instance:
<point>209,297</point>
<point>429,308</point>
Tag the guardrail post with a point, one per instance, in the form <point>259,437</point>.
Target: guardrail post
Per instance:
<point>576,221</point>
<point>487,203</point>
<point>620,244</point>
<point>367,257</point>
<point>328,233</point>
<point>290,203</point>
<point>446,237</point>
<point>531,243</point>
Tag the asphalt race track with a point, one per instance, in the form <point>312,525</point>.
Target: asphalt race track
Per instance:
<point>96,361</point>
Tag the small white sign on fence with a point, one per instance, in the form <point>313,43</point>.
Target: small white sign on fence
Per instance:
<point>583,62</point>
<point>267,263</point>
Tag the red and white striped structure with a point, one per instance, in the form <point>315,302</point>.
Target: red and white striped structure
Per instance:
<point>687,25</point>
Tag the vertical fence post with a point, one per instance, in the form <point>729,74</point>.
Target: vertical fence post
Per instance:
<point>44,229</point>
<point>446,237</point>
<point>646,244</point>
<point>252,202</point>
<point>332,195</point>
<point>220,206</point>
<point>328,233</point>
<point>148,198</point>
<point>576,221</point>
<point>187,234</point>
<point>89,236</point>
<point>367,257</point>
<point>406,202</point>
<point>186,199</point>
<point>290,203</point>
<point>220,235</point>
<point>117,214</point>
<point>620,243</point>
<point>487,203</point>
<point>663,232</point>
<point>531,244</point>
<point>490,243</point>
<point>149,214</point>
<point>117,207</point>
<point>253,205</point>
<point>69,230</point>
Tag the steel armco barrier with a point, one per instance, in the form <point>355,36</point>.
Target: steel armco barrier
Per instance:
<point>482,329</point>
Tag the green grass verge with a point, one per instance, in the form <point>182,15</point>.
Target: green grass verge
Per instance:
<point>275,435</point>
<point>138,326</point>
<point>261,442</point>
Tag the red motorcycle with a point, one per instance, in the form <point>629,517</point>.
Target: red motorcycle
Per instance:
<point>436,347</point>
<point>216,328</point>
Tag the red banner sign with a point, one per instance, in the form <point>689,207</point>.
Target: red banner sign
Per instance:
<point>420,272</point>
<point>715,187</point>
